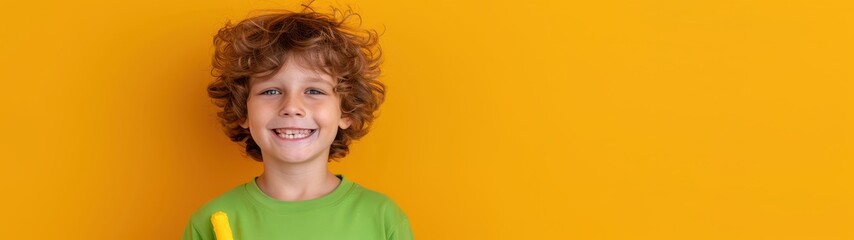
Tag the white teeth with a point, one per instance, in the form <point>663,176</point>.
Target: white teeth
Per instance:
<point>292,134</point>
<point>289,131</point>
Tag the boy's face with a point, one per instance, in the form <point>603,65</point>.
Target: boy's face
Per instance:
<point>293,114</point>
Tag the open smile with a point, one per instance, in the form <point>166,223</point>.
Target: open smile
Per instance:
<point>290,134</point>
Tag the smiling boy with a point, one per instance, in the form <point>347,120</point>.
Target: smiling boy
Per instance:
<point>295,88</point>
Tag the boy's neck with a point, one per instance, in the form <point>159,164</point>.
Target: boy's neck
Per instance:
<point>297,184</point>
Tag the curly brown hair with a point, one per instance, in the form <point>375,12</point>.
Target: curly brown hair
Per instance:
<point>259,45</point>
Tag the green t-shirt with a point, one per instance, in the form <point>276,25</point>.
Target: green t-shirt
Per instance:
<point>349,212</point>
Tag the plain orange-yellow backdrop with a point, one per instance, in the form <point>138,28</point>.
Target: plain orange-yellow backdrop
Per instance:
<point>504,119</point>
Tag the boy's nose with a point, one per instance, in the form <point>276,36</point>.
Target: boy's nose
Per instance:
<point>292,106</point>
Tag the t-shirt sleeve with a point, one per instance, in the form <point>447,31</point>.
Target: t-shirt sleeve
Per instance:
<point>398,223</point>
<point>402,232</point>
<point>190,232</point>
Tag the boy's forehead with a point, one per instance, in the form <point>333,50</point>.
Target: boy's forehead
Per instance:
<point>304,78</point>
<point>307,72</point>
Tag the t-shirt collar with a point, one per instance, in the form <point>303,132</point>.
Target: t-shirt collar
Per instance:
<point>329,199</point>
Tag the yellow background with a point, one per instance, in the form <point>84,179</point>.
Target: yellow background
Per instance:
<point>504,120</point>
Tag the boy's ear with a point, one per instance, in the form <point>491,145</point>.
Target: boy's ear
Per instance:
<point>345,122</point>
<point>243,123</point>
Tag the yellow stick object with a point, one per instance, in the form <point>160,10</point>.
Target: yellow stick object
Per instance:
<point>220,226</point>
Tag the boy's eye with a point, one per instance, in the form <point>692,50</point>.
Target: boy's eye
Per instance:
<point>271,91</point>
<point>314,91</point>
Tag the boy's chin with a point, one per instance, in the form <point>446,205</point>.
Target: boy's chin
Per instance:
<point>291,159</point>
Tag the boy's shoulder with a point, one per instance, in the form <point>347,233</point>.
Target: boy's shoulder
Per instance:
<point>369,195</point>
<point>382,204</point>
<point>225,201</point>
